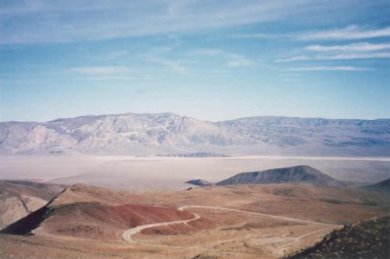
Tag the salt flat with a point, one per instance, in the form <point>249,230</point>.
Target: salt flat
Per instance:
<point>163,173</point>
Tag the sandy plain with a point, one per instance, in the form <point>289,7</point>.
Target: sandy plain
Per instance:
<point>170,173</point>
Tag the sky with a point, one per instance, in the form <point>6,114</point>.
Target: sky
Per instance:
<point>209,59</point>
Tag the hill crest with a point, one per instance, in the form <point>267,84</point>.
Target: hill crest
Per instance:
<point>295,174</point>
<point>94,213</point>
<point>365,239</point>
<point>382,186</point>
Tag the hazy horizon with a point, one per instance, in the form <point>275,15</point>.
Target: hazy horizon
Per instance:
<point>184,115</point>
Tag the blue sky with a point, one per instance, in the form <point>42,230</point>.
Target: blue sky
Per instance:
<point>213,60</point>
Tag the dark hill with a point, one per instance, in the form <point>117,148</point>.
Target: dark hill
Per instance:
<point>20,198</point>
<point>46,191</point>
<point>383,186</point>
<point>199,182</point>
<point>366,239</point>
<point>301,173</point>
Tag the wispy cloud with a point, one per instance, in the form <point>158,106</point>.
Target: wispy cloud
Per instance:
<point>330,68</point>
<point>114,55</point>
<point>361,50</point>
<point>351,32</point>
<point>376,55</point>
<point>51,21</point>
<point>355,47</point>
<point>239,61</point>
<point>101,70</point>
<point>292,59</point>
<point>171,65</point>
<point>344,56</point>
<point>208,52</point>
<point>260,36</point>
<point>229,59</point>
<point>90,20</point>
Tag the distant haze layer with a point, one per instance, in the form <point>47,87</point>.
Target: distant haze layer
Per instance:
<point>167,173</point>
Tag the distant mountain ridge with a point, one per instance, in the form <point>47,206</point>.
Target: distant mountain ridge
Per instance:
<point>294,174</point>
<point>168,133</point>
<point>200,182</point>
<point>383,186</point>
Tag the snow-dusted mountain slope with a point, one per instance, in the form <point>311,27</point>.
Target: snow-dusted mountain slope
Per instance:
<point>167,133</point>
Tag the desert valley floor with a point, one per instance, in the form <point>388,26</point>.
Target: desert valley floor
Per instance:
<point>121,207</point>
<point>162,173</point>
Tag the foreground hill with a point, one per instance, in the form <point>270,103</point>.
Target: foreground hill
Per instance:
<point>295,174</point>
<point>367,239</point>
<point>93,213</point>
<point>236,221</point>
<point>170,134</point>
<point>19,198</point>
<point>383,186</point>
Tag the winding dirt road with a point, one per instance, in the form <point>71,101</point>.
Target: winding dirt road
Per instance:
<point>127,235</point>
<point>254,213</point>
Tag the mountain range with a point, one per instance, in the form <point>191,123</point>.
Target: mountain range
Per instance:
<point>172,134</point>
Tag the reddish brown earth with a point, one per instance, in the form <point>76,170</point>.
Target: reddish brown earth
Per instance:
<point>97,221</point>
<point>92,219</point>
<point>87,222</point>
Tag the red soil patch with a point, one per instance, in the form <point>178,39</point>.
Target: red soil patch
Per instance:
<point>97,221</point>
<point>96,218</point>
